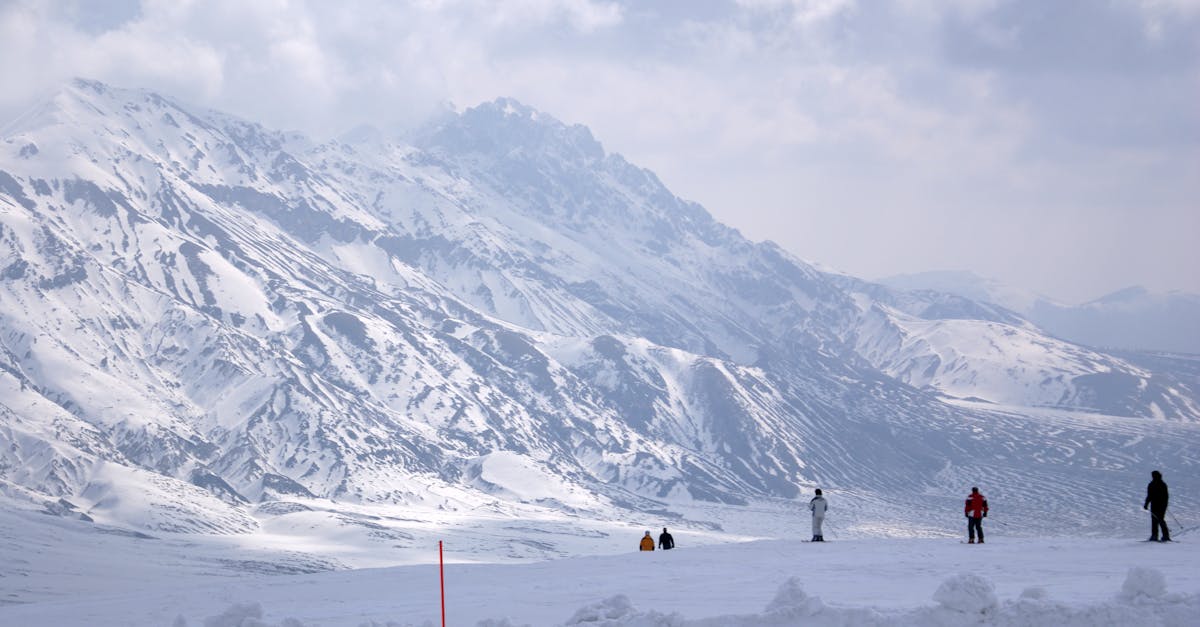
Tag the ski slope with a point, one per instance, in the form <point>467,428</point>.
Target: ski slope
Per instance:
<point>1009,581</point>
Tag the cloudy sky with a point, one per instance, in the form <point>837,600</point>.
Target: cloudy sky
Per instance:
<point>1052,144</point>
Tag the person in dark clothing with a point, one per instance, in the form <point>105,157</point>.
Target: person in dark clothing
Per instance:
<point>1156,502</point>
<point>665,541</point>
<point>976,510</point>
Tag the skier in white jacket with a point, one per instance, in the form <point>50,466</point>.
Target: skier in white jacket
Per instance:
<point>818,506</point>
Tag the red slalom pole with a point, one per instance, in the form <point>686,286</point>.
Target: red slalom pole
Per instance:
<point>442,576</point>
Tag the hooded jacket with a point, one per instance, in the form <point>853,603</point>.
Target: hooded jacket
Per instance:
<point>1156,494</point>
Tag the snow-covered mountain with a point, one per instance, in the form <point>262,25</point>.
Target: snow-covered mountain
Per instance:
<point>1133,318</point>
<point>206,324</point>
<point>968,285</point>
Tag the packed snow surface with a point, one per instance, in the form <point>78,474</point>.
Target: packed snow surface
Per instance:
<point>1009,581</point>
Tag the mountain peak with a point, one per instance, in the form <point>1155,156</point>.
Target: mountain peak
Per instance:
<point>90,85</point>
<point>50,110</point>
<point>75,101</point>
<point>511,107</point>
<point>506,127</point>
<point>89,91</point>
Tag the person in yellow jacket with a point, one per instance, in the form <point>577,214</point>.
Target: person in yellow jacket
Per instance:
<point>647,542</point>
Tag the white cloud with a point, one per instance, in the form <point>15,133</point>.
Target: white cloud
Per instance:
<point>802,120</point>
<point>297,63</point>
<point>1156,14</point>
<point>803,12</point>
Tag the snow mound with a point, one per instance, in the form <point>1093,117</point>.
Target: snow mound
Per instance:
<point>1143,583</point>
<point>791,601</point>
<point>967,593</point>
<point>961,600</point>
<point>612,608</point>
<point>1035,593</point>
<point>238,615</point>
<point>618,611</point>
<point>241,615</point>
<point>791,606</point>
<point>965,599</point>
<point>503,622</point>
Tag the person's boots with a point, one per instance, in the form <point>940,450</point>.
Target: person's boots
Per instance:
<point>981,540</point>
<point>816,539</point>
<point>971,541</point>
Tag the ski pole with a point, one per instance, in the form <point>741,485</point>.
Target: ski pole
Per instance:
<point>1179,528</point>
<point>1163,521</point>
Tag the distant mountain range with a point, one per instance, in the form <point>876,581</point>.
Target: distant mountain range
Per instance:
<point>200,315</point>
<point>1129,319</point>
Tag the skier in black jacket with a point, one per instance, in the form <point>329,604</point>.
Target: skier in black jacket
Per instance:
<point>1156,502</point>
<point>665,541</point>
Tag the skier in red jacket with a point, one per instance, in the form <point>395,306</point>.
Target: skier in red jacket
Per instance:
<point>976,510</point>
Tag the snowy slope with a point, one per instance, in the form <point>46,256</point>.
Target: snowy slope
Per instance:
<point>729,298</point>
<point>210,327</point>
<point>968,349</point>
<point>1133,318</point>
<point>1008,581</point>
